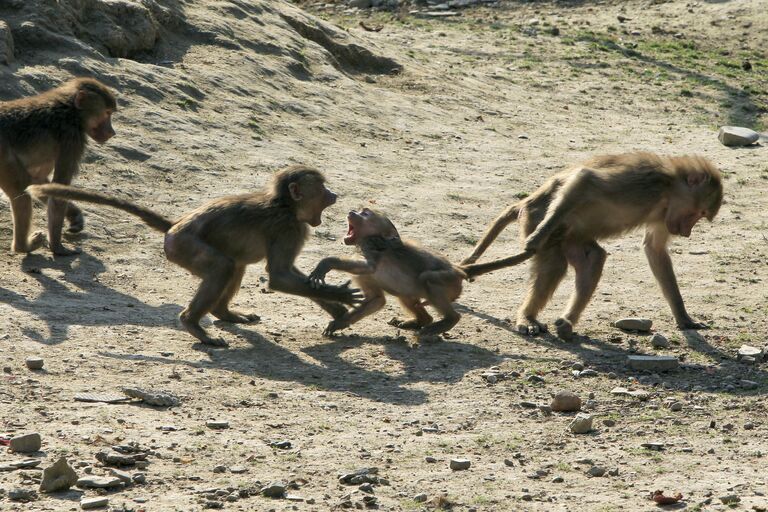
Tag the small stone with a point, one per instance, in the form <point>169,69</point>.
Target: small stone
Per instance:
<point>546,410</point>
<point>577,367</point>
<point>360,4</point>
<point>755,353</point>
<point>238,470</point>
<point>581,424</point>
<point>22,495</point>
<point>274,490</point>
<point>220,469</point>
<point>509,462</point>
<point>656,447</point>
<point>282,445</point>
<point>558,480</point>
<point>676,406</point>
<point>420,498</point>
<point>91,503</point>
<point>730,499</point>
<point>737,136</point>
<point>153,397</point>
<point>459,464</point>
<point>748,384</point>
<point>565,401</point>
<point>26,443</point>
<point>217,424</point>
<point>34,363</point>
<point>633,324</point>
<point>535,379</point>
<point>596,471</point>
<point>366,488</point>
<point>653,363</point>
<point>588,373</point>
<point>58,477</point>
<point>430,459</point>
<point>98,482</point>
<point>659,341</point>
<point>609,422</point>
<point>124,476</point>
<point>613,472</point>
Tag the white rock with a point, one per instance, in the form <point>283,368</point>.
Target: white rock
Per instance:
<point>634,324</point>
<point>659,341</point>
<point>737,136</point>
<point>581,424</point>
<point>91,503</point>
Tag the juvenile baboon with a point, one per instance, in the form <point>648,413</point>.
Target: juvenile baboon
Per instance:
<point>397,267</point>
<point>217,240</point>
<point>47,133</point>
<point>607,196</point>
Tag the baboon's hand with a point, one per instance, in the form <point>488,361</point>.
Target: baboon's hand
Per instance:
<point>317,277</point>
<point>346,295</point>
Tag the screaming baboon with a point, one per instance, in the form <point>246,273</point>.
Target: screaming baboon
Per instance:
<point>219,239</point>
<point>401,268</point>
<point>607,196</point>
<point>47,133</point>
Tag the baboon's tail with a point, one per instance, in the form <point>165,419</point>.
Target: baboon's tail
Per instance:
<point>153,220</point>
<point>476,269</point>
<point>509,215</point>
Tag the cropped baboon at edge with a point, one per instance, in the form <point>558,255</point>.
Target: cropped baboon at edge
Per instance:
<point>217,240</point>
<point>400,268</point>
<point>47,134</point>
<point>604,197</point>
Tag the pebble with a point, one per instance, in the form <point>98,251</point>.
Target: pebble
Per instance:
<point>653,363</point>
<point>217,424</point>
<point>535,379</point>
<point>565,401</point>
<point>124,476</point>
<point>430,459</point>
<point>220,469</point>
<point>34,363</point>
<point>89,503</point>
<point>737,136</point>
<point>659,341</point>
<point>459,464</point>
<point>420,498</point>
<point>676,406</point>
<point>609,422</point>
<point>638,393</point>
<point>98,482</point>
<point>634,324</point>
<point>748,384</point>
<point>755,353</point>
<point>588,373</point>
<point>22,495</point>
<point>58,477</point>
<point>577,367</point>
<point>558,480</point>
<point>274,490</point>
<point>26,443</point>
<point>730,499</point>
<point>656,447</point>
<point>581,424</point>
<point>597,471</point>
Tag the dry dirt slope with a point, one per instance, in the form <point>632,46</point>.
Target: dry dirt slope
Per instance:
<point>223,93</point>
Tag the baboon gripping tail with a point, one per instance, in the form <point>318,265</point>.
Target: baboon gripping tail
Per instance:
<point>152,219</point>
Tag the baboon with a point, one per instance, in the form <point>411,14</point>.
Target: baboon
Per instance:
<point>604,197</point>
<point>47,133</point>
<point>397,267</point>
<point>219,239</point>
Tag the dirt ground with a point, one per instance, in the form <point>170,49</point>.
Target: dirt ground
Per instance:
<point>488,104</point>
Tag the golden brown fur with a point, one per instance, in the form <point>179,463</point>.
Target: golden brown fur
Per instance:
<point>219,239</point>
<point>604,197</point>
<point>399,268</point>
<point>47,134</point>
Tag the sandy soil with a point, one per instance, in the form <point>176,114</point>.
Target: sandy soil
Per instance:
<point>488,104</point>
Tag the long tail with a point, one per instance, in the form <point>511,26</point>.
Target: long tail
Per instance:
<point>502,221</point>
<point>152,219</point>
<point>476,269</point>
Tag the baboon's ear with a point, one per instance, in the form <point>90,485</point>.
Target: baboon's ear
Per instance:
<point>697,178</point>
<point>293,189</point>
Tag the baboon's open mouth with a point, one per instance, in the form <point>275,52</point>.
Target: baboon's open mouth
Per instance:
<point>351,238</point>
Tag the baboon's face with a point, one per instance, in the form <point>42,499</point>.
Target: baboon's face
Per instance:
<point>367,223</point>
